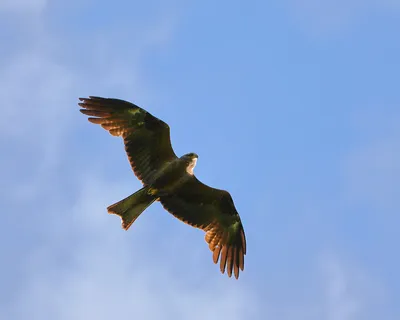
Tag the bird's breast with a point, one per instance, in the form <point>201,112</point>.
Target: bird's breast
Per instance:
<point>171,177</point>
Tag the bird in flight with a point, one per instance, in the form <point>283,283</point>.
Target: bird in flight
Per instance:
<point>170,180</point>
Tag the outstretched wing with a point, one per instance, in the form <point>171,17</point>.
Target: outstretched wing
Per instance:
<point>146,138</point>
<point>213,211</point>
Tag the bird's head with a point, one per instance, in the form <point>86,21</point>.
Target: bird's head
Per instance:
<point>191,160</point>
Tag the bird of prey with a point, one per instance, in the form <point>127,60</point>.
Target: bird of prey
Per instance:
<point>169,179</point>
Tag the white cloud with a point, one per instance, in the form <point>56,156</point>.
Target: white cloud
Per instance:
<point>333,289</point>
<point>341,302</point>
<point>39,88</point>
<point>35,92</point>
<point>349,292</point>
<point>23,6</point>
<point>84,265</point>
<point>107,276</point>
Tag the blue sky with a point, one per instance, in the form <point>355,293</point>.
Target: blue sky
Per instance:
<point>292,106</point>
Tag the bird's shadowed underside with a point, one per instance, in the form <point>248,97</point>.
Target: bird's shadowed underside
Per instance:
<point>170,180</point>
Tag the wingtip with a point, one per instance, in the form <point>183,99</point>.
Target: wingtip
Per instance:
<point>90,98</point>
<point>216,253</point>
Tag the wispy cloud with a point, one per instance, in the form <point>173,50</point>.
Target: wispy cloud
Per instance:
<point>78,267</point>
<point>23,6</point>
<point>106,276</point>
<point>349,293</point>
<point>67,258</point>
<point>39,88</point>
<point>335,288</point>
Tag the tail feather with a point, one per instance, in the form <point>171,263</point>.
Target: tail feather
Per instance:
<point>130,208</point>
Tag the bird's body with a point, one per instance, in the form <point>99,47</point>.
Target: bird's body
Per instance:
<point>174,174</point>
<point>170,180</point>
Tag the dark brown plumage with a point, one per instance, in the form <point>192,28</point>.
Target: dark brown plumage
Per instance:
<point>170,180</point>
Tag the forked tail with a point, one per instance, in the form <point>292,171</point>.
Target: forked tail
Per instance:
<point>130,208</point>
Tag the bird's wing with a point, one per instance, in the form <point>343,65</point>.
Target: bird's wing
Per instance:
<point>213,211</point>
<point>146,138</point>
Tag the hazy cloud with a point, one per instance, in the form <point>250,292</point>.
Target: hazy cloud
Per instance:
<point>68,259</point>
<point>106,276</point>
<point>23,6</point>
<point>79,267</point>
<point>349,292</point>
